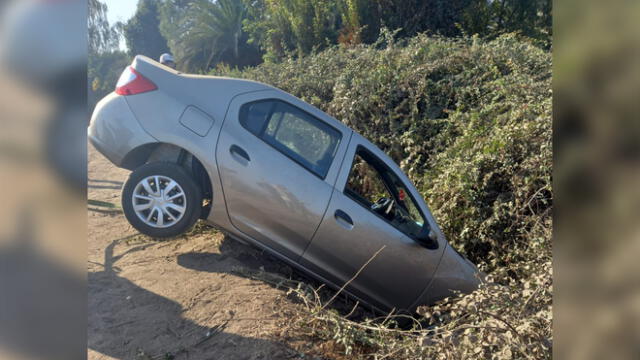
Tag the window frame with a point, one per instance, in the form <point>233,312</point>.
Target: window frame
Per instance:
<point>377,162</point>
<point>261,133</point>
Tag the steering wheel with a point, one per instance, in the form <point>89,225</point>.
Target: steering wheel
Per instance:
<point>384,207</point>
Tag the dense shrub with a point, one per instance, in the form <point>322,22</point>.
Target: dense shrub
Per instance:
<point>470,122</point>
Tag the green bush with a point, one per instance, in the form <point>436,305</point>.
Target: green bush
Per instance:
<point>469,120</point>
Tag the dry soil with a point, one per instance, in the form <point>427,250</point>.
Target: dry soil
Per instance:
<point>181,298</point>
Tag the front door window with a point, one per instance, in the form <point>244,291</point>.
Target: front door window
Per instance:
<point>376,187</point>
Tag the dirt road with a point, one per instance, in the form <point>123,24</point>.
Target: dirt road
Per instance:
<point>180,298</point>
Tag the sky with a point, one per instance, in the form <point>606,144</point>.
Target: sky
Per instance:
<point>120,10</point>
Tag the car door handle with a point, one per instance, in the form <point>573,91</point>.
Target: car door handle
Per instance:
<point>343,219</point>
<point>236,151</point>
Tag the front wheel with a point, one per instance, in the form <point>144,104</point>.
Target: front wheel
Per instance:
<point>161,200</point>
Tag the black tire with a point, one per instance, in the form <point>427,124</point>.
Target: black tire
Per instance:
<point>192,193</point>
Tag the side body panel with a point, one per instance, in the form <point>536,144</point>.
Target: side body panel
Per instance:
<point>196,120</point>
<point>401,270</point>
<point>454,273</point>
<point>269,197</point>
<point>114,130</point>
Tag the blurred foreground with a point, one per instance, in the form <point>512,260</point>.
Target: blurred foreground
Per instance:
<point>597,179</point>
<point>43,177</point>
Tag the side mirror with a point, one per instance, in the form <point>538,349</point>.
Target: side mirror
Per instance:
<point>427,238</point>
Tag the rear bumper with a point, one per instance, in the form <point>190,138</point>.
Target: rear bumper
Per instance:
<point>114,130</point>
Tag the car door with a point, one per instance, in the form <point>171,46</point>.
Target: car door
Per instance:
<point>351,232</point>
<point>278,160</point>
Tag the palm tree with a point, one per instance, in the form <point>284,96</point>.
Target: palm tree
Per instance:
<point>213,33</point>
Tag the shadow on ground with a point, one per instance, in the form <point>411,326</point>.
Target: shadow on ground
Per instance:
<point>104,184</point>
<point>119,308</point>
<point>257,261</point>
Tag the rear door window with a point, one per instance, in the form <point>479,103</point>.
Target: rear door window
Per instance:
<point>303,138</point>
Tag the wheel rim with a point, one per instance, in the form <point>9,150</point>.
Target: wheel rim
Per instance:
<point>159,201</point>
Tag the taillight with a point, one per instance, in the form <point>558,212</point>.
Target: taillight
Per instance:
<point>132,82</point>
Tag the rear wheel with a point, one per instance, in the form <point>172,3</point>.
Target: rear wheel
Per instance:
<point>161,200</point>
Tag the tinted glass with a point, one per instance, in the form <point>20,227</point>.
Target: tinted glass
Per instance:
<point>254,115</point>
<point>302,137</point>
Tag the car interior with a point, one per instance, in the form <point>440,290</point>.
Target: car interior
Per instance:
<point>376,187</point>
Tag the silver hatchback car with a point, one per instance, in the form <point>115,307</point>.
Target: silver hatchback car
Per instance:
<point>273,171</point>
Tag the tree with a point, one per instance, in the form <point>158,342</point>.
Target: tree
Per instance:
<point>531,18</point>
<point>103,71</point>
<point>173,15</point>
<point>206,33</point>
<point>142,31</point>
<point>283,26</point>
<point>102,37</point>
<point>294,25</point>
<point>105,61</point>
<point>306,25</point>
